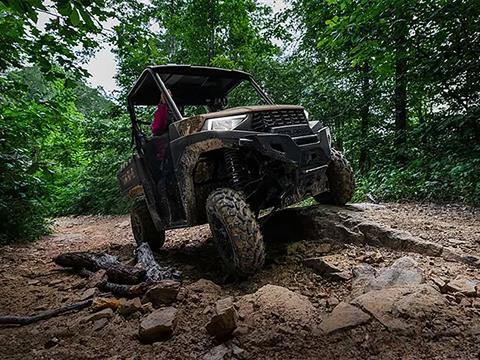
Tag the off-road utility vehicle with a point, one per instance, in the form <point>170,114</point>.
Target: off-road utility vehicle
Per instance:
<point>224,165</point>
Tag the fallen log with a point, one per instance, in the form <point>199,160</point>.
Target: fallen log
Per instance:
<point>47,314</point>
<point>128,291</point>
<point>116,271</point>
<point>153,271</point>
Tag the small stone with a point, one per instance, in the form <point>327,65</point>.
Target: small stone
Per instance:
<point>105,313</point>
<point>163,293</point>
<point>240,331</point>
<point>217,353</point>
<point>462,285</point>
<point>100,303</point>
<point>147,307</point>
<point>332,301</point>
<point>100,324</point>
<point>224,322</point>
<point>51,343</point>
<point>341,276</point>
<point>128,307</point>
<point>322,303</point>
<point>456,241</point>
<point>89,293</point>
<point>204,286</point>
<point>55,282</point>
<point>371,257</point>
<point>439,282</point>
<point>322,265</point>
<point>158,325</point>
<point>344,316</point>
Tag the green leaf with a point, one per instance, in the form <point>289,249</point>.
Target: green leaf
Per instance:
<point>75,17</point>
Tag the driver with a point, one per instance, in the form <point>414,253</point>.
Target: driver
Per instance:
<point>160,117</point>
<point>217,104</point>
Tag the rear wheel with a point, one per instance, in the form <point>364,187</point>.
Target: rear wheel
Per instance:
<point>340,180</point>
<point>235,231</point>
<point>143,228</point>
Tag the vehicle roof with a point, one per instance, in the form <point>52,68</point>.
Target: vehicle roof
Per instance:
<point>190,85</point>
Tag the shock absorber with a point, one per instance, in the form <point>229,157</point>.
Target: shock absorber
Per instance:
<point>235,168</point>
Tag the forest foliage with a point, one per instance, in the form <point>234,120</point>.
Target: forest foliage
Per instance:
<point>397,80</point>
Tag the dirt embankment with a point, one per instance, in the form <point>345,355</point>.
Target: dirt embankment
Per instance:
<point>346,283</point>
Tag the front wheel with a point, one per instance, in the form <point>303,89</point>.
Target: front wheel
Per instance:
<point>235,231</point>
<point>143,228</point>
<point>340,180</point>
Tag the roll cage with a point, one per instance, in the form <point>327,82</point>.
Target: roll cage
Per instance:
<point>191,85</point>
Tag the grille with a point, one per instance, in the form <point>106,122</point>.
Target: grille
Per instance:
<point>263,121</point>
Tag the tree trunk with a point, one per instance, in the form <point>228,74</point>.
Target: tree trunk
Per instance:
<point>146,261</point>
<point>364,119</point>
<point>401,100</point>
<point>400,95</point>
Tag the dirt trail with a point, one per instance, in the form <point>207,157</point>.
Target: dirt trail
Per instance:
<point>30,282</point>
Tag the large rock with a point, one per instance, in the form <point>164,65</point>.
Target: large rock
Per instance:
<point>344,316</point>
<point>163,293</point>
<point>224,322</point>
<point>404,271</point>
<point>392,306</point>
<point>158,325</point>
<point>277,302</point>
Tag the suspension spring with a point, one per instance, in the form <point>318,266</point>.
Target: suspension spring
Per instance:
<point>235,167</point>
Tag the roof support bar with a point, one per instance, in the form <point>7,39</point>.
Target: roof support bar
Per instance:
<point>171,103</point>
<point>262,93</point>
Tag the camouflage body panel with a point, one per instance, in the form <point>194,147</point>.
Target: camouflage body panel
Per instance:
<point>189,125</point>
<point>185,175</point>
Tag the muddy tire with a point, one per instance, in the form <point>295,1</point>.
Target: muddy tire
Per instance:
<point>236,232</point>
<point>143,228</point>
<point>340,180</point>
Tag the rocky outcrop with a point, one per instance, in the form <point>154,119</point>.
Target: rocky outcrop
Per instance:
<point>348,225</point>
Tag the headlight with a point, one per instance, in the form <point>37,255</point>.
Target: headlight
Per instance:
<point>224,123</point>
<point>312,123</point>
<point>307,115</point>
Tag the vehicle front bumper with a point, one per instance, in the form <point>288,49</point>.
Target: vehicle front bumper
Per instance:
<point>307,157</point>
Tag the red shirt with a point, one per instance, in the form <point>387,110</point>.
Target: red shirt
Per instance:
<point>160,120</point>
